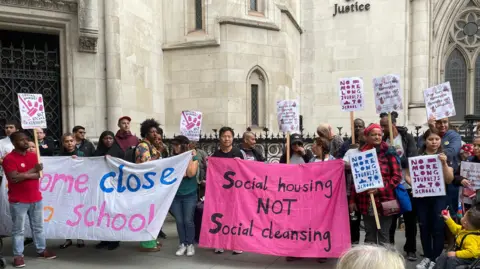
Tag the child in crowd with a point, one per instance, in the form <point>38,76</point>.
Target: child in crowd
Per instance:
<point>32,147</point>
<point>467,244</point>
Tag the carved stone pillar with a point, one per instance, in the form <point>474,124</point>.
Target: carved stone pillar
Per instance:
<point>88,25</point>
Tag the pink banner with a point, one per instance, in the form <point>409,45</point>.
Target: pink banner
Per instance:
<point>276,209</point>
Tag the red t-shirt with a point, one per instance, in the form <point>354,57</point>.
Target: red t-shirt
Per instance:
<point>27,191</point>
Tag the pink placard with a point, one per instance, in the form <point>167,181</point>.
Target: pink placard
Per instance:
<point>276,209</point>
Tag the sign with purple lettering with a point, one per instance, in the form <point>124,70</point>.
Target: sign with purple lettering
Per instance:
<point>427,176</point>
<point>351,94</point>
<point>366,171</point>
<point>439,101</point>
<point>472,172</point>
<point>388,94</point>
<point>288,116</point>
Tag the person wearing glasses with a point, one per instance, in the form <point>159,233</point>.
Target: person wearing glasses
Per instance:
<point>83,144</point>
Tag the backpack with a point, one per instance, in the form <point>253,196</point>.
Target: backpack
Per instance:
<point>130,153</point>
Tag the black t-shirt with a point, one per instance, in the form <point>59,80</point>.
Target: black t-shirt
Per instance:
<point>234,153</point>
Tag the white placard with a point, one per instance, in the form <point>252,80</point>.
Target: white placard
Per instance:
<point>288,116</point>
<point>426,174</point>
<point>32,111</point>
<point>104,198</point>
<point>366,171</point>
<point>388,94</point>
<point>472,172</point>
<point>191,124</point>
<point>439,101</point>
<point>351,94</point>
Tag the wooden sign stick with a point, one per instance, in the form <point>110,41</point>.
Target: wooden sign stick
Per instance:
<point>35,137</point>
<point>352,124</point>
<point>375,212</point>
<point>288,147</point>
<point>390,127</point>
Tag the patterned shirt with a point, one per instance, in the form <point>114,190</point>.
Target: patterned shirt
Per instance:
<point>391,175</point>
<point>145,152</point>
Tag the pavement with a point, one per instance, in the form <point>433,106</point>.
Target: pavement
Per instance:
<point>127,256</point>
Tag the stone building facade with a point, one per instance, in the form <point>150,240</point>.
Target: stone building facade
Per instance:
<point>97,60</point>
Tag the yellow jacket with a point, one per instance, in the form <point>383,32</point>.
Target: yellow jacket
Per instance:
<point>470,248</point>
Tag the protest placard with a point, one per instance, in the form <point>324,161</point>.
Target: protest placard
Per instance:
<point>388,94</point>
<point>439,101</point>
<point>426,174</point>
<point>472,172</point>
<point>288,116</point>
<point>351,94</point>
<point>32,111</point>
<point>191,124</point>
<point>103,199</point>
<point>366,171</point>
<point>276,209</point>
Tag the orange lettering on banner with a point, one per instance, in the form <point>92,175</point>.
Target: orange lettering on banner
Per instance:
<point>50,216</point>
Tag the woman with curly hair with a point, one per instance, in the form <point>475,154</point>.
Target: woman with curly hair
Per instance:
<point>147,151</point>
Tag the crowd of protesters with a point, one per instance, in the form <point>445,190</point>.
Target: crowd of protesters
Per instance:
<point>20,167</point>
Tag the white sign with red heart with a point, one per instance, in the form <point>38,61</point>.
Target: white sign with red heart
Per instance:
<point>191,124</point>
<point>32,111</point>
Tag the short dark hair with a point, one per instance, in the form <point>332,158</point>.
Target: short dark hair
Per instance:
<point>14,123</point>
<point>77,128</point>
<point>394,116</point>
<point>226,129</point>
<point>16,135</point>
<point>148,124</point>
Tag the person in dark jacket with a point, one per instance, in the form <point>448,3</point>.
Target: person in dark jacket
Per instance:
<point>359,126</point>
<point>69,148</point>
<point>105,147</point>
<point>83,144</point>
<point>45,144</point>
<point>248,148</point>
<point>298,154</point>
<point>406,147</point>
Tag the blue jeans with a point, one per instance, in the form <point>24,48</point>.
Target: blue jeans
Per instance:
<point>19,212</point>
<point>183,210</point>
<point>432,225</point>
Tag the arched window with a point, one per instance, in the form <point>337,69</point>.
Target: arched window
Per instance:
<point>198,15</point>
<point>456,73</point>
<point>477,85</point>
<point>256,99</point>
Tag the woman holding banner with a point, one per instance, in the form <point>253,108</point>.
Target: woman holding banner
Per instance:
<point>429,209</point>
<point>69,148</point>
<point>185,201</point>
<point>392,176</point>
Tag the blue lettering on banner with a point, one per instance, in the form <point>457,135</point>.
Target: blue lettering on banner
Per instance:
<point>133,182</point>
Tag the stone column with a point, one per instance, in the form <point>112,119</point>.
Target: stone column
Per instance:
<point>419,60</point>
<point>88,25</point>
<point>113,63</point>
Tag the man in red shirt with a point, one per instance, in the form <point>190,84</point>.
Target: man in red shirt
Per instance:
<point>22,171</point>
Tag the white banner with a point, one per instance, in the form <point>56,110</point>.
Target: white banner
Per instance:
<point>104,199</point>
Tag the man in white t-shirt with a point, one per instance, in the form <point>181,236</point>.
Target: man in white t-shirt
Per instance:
<point>6,145</point>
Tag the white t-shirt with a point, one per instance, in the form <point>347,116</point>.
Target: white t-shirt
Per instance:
<point>6,147</point>
<point>349,153</point>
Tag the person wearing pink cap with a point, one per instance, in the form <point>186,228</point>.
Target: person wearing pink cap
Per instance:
<point>391,175</point>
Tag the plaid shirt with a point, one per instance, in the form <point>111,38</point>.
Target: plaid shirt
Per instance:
<point>392,176</point>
